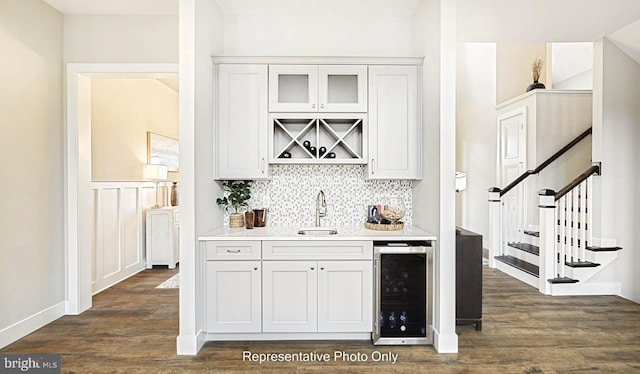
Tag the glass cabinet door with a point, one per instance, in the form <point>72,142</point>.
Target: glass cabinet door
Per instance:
<point>342,88</point>
<point>293,88</point>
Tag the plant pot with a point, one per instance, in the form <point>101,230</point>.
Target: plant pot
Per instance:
<point>535,85</point>
<point>236,220</point>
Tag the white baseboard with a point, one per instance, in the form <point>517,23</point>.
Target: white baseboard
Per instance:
<point>445,343</point>
<point>190,345</point>
<point>586,289</point>
<point>30,324</point>
<point>116,278</point>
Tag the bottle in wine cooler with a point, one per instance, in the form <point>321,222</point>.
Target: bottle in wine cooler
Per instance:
<point>392,320</point>
<point>381,319</point>
<point>403,321</point>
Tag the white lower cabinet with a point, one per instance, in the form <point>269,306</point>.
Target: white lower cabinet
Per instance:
<point>290,296</point>
<point>345,296</point>
<point>233,296</point>
<point>233,288</point>
<point>322,296</point>
<point>280,288</point>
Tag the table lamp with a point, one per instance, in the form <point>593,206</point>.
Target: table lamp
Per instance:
<point>155,173</point>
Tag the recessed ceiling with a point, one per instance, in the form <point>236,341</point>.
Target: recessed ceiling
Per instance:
<point>116,7</point>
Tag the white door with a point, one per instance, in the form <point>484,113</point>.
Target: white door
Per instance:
<point>345,296</point>
<point>342,88</point>
<point>233,296</point>
<point>290,296</point>
<point>513,156</point>
<point>293,88</point>
<point>394,131</point>
<point>242,122</point>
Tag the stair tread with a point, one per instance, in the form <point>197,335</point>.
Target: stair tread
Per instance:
<point>561,280</point>
<point>532,233</point>
<point>517,263</point>
<point>533,249</point>
<point>581,264</point>
<point>603,249</point>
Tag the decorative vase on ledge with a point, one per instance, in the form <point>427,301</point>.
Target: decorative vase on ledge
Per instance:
<point>535,85</point>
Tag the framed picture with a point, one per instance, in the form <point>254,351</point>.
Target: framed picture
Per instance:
<point>162,150</point>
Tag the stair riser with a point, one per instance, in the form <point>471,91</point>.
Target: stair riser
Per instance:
<point>534,240</point>
<point>518,274</point>
<point>525,256</point>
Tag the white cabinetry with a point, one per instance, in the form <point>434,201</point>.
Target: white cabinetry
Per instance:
<point>241,130</point>
<point>317,88</point>
<point>394,123</point>
<point>290,296</point>
<point>233,287</point>
<point>307,289</point>
<point>162,236</point>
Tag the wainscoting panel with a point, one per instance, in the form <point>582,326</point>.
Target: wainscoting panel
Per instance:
<point>119,230</point>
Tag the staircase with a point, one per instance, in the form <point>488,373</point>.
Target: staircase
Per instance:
<point>557,257</point>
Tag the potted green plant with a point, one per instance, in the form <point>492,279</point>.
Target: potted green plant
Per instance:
<point>237,194</point>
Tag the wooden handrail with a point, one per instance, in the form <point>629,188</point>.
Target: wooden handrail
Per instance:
<point>594,169</point>
<point>547,162</point>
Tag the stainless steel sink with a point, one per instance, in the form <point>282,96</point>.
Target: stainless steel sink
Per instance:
<point>318,231</point>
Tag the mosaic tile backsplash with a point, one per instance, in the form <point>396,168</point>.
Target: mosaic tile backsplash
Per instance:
<point>291,194</point>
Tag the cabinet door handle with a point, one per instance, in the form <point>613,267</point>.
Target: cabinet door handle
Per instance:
<point>322,268</point>
<point>373,166</point>
<point>237,250</point>
<point>255,268</point>
<point>321,106</point>
<point>262,166</point>
<point>312,268</point>
<point>313,106</point>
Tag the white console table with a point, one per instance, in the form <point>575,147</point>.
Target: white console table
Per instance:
<point>162,228</point>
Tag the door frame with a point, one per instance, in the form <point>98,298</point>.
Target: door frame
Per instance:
<point>77,161</point>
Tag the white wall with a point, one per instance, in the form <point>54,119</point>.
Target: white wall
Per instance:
<point>93,38</point>
<point>476,133</point>
<point>317,35</point>
<point>122,111</point>
<point>571,66</point>
<point>513,66</point>
<point>31,145</point>
<point>617,115</point>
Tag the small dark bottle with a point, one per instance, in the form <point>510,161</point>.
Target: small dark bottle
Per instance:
<point>322,151</point>
<point>331,155</point>
<point>306,144</point>
<point>313,150</point>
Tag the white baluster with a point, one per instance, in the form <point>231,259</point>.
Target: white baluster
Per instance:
<point>575,218</point>
<point>589,224</point>
<point>583,220</point>
<point>563,233</point>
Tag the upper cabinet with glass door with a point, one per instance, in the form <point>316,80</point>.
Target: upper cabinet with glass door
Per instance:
<point>318,88</point>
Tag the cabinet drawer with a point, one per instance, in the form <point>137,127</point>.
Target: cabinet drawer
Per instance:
<point>232,250</point>
<point>318,250</point>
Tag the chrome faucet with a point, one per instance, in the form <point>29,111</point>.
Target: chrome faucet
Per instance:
<point>321,207</point>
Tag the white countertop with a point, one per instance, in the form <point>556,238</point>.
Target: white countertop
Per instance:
<point>291,233</point>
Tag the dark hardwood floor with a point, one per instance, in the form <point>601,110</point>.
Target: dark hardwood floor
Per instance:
<point>132,328</point>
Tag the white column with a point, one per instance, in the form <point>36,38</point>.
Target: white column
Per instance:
<point>495,225</point>
<point>547,254</point>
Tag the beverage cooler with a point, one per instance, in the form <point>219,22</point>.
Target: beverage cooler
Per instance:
<point>403,293</point>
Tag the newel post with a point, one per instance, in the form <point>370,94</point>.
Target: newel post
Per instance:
<point>495,225</point>
<point>547,254</point>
